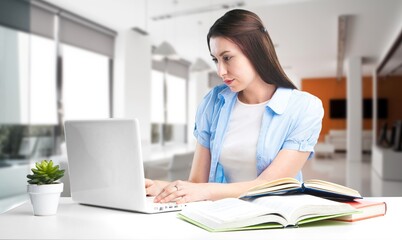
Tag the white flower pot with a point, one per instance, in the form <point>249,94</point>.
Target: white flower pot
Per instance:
<point>45,198</point>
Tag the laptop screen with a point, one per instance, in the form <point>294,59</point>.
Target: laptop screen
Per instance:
<point>105,162</point>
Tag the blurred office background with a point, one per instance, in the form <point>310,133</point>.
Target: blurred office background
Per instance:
<point>90,59</point>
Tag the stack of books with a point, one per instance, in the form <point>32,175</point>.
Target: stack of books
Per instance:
<point>367,209</point>
<point>282,203</point>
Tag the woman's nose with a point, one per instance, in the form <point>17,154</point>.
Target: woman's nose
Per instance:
<point>221,70</point>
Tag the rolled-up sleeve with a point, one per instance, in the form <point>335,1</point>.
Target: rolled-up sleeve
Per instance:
<point>203,118</point>
<point>306,130</point>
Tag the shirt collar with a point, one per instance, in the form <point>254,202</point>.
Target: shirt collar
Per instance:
<point>226,93</point>
<point>280,100</point>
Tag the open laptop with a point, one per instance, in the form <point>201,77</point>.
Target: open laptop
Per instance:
<point>106,166</point>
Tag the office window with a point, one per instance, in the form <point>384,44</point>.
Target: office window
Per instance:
<point>85,84</point>
<point>176,108</point>
<point>157,115</point>
<point>176,100</point>
<point>43,109</point>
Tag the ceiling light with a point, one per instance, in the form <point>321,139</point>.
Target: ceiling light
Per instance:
<point>197,10</point>
<point>199,65</point>
<point>165,50</point>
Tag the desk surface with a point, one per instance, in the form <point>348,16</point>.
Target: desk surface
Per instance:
<point>85,222</point>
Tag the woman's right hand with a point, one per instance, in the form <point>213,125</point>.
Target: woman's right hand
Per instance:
<point>154,187</point>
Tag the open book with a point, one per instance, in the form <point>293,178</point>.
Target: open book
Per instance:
<point>320,188</point>
<point>231,214</point>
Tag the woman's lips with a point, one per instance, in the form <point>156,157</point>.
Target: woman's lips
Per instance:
<point>228,81</point>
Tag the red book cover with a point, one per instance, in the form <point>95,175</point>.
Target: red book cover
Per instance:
<point>368,209</point>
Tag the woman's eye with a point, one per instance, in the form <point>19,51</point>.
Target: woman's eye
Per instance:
<point>215,60</point>
<point>226,58</point>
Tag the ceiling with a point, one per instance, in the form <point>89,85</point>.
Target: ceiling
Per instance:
<point>305,32</point>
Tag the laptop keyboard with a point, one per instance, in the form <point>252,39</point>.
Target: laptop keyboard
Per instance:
<point>170,206</point>
<point>167,206</point>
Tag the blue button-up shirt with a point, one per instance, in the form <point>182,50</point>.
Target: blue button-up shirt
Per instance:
<point>292,120</point>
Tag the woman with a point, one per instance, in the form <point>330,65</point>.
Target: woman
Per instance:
<point>254,128</point>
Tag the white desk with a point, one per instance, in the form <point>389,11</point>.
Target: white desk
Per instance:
<point>85,222</point>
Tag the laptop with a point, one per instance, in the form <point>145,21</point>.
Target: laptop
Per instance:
<point>106,166</point>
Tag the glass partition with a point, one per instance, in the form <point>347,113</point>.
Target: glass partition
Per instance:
<point>389,83</point>
<point>34,75</point>
<point>16,143</point>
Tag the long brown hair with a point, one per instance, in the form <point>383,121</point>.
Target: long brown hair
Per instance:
<point>245,29</point>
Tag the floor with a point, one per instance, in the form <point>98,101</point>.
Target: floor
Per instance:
<point>359,176</point>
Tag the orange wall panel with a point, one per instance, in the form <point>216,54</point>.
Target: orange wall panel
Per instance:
<point>331,88</point>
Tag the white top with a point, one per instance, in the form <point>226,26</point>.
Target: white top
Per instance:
<point>238,156</point>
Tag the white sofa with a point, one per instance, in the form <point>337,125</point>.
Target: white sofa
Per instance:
<point>338,139</point>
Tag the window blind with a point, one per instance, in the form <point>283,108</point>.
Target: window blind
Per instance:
<point>38,17</point>
<point>81,33</point>
<point>42,20</point>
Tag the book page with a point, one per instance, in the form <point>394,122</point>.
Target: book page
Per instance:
<point>229,210</point>
<point>332,187</point>
<point>278,182</point>
<point>279,186</point>
<point>231,213</point>
<point>296,207</point>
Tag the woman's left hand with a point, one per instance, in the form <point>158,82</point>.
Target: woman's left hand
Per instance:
<point>183,192</point>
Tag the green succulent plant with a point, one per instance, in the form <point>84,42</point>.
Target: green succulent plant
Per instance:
<point>45,173</point>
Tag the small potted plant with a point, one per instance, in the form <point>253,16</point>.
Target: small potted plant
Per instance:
<point>44,189</point>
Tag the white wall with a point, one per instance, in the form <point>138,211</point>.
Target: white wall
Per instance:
<point>294,78</point>
<point>392,38</point>
<point>132,79</point>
